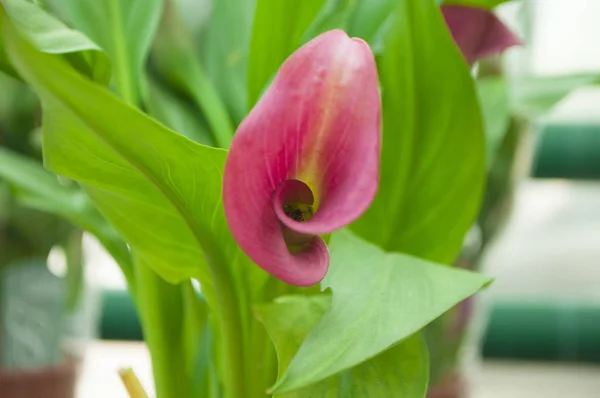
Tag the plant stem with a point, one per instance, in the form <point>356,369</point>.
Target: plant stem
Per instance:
<point>262,373</point>
<point>231,331</point>
<point>132,384</point>
<point>161,314</point>
<point>124,80</point>
<point>75,274</point>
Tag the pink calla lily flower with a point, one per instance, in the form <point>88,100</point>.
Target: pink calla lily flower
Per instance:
<point>478,32</point>
<point>305,161</point>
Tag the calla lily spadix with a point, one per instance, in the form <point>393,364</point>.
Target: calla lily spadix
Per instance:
<point>305,161</point>
<point>477,32</point>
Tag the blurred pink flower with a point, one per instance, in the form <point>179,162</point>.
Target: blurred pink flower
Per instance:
<point>478,32</point>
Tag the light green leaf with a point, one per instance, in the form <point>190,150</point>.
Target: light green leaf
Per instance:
<point>36,185</point>
<point>433,160</point>
<point>400,371</point>
<point>379,299</point>
<point>277,31</point>
<point>370,20</point>
<point>51,36</point>
<point>162,193</point>
<point>225,52</point>
<point>334,14</point>
<point>125,30</point>
<point>175,114</point>
<point>288,319</point>
<point>495,108</point>
<point>177,63</point>
<point>41,190</point>
<point>161,204</point>
<point>535,95</point>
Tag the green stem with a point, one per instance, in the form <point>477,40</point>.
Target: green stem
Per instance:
<point>215,112</point>
<point>270,364</point>
<point>161,313</point>
<point>262,373</point>
<point>231,331</point>
<point>121,61</point>
<point>75,273</point>
<point>174,42</point>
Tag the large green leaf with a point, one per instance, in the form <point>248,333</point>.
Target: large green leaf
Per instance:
<point>400,371</point>
<point>125,30</point>
<point>495,108</point>
<point>162,192</point>
<point>277,31</point>
<point>379,299</point>
<point>288,319</point>
<point>160,203</point>
<point>41,190</point>
<point>433,160</point>
<point>174,57</point>
<point>225,52</point>
<point>51,36</point>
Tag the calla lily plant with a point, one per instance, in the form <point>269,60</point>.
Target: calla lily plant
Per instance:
<point>313,165</point>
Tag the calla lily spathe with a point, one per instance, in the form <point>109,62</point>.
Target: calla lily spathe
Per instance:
<point>305,161</point>
<point>478,32</point>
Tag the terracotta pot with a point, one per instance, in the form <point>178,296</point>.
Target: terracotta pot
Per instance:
<point>50,382</point>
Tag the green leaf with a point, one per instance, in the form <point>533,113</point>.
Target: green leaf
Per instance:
<point>433,160</point>
<point>51,36</point>
<point>495,108</point>
<point>534,95</point>
<point>288,319</point>
<point>400,371</point>
<point>177,63</point>
<point>277,31</point>
<point>225,52</point>
<point>162,193</point>
<point>175,114</point>
<point>335,14</point>
<point>370,19</point>
<point>125,30</point>
<point>41,190</point>
<point>162,205</point>
<point>38,187</point>
<point>379,299</point>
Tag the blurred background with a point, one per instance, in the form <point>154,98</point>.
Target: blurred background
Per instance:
<point>534,333</point>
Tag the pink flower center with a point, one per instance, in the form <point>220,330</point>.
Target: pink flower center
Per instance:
<point>298,211</point>
<point>294,202</point>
